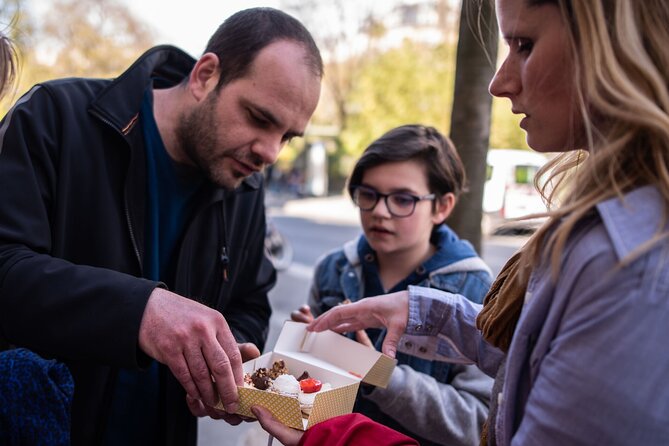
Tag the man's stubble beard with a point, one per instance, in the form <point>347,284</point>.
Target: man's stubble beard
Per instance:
<point>196,135</point>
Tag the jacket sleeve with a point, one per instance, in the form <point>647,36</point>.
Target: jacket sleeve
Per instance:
<point>249,311</point>
<point>353,429</point>
<point>442,326</point>
<point>450,414</point>
<point>49,304</point>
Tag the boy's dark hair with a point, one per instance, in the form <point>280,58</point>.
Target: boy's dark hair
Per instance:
<point>445,172</point>
<point>244,34</point>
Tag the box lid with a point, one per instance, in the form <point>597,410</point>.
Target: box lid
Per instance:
<point>332,351</point>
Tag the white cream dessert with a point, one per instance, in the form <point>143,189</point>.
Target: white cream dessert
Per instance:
<point>278,380</point>
<point>285,385</point>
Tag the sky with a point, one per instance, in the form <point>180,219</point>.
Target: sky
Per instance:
<point>188,24</point>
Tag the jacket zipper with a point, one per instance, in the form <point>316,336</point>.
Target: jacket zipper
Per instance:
<point>132,232</point>
<point>225,260</point>
<point>125,197</point>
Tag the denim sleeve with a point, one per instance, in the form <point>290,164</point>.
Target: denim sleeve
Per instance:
<point>442,326</point>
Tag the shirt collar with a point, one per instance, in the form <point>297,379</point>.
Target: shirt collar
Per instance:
<point>632,220</point>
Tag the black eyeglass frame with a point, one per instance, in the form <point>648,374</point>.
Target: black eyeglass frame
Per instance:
<point>379,195</point>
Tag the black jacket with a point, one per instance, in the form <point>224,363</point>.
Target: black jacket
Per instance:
<point>72,194</point>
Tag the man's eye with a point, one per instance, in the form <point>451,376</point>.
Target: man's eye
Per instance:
<point>259,120</point>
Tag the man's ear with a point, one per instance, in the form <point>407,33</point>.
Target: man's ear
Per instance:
<point>204,76</point>
<point>443,207</point>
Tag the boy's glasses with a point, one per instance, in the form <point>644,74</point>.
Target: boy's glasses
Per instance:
<point>399,204</point>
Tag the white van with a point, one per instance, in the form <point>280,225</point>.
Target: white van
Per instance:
<point>509,190</point>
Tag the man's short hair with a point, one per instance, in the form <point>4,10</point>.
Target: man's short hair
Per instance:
<point>244,34</point>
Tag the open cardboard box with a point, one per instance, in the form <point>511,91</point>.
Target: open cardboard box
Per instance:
<point>326,356</point>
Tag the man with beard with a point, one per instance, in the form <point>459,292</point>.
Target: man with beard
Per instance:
<point>132,225</point>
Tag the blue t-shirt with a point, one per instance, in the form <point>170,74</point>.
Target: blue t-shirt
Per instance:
<point>135,417</point>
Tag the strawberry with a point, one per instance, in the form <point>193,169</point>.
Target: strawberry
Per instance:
<point>310,385</point>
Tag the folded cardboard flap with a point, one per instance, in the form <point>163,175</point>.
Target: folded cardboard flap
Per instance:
<point>328,347</point>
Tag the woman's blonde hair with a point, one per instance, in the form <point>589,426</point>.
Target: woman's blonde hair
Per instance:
<point>8,63</point>
<point>621,68</point>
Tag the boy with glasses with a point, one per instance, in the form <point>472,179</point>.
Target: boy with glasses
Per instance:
<point>406,184</point>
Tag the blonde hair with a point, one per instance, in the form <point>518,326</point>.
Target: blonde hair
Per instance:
<point>621,66</point>
<point>8,63</point>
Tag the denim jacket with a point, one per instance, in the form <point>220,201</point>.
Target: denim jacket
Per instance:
<point>425,399</point>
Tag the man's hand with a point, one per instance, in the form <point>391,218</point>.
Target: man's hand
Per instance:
<point>286,435</point>
<point>199,409</point>
<point>195,342</point>
<point>390,311</point>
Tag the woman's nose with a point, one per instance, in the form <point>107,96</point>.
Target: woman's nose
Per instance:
<point>505,83</point>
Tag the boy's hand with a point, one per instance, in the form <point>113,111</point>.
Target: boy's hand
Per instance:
<point>302,314</point>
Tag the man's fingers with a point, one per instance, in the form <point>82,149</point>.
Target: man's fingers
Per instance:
<point>199,409</point>
<point>181,372</point>
<point>201,375</point>
<point>234,356</point>
<point>248,350</point>
<point>196,406</point>
<point>221,369</point>
<point>232,419</point>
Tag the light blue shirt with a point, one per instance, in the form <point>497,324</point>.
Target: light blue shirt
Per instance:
<point>588,364</point>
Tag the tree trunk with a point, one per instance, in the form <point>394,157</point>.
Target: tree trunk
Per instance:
<point>470,117</point>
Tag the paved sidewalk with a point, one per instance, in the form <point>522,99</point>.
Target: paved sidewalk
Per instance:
<point>337,209</point>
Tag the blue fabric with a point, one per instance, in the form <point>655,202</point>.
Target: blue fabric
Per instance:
<point>170,192</point>
<point>588,361</point>
<point>337,278</point>
<point>35,400</point>
<point>135,413</point>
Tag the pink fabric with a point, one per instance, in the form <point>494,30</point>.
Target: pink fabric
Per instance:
<point>354,429</point>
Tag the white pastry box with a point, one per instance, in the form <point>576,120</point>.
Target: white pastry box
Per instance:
<point>328,357</point>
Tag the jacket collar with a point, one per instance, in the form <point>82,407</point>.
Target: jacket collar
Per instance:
<point>119,103</point>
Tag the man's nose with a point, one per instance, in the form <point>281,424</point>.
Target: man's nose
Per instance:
<point>267,150</point>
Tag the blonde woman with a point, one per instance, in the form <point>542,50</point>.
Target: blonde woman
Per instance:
<point>575,326</point>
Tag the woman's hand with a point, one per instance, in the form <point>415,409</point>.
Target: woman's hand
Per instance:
<point>390,311</point>
<point>286,435</point>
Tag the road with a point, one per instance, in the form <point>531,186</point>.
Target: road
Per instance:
<point>311,238</point>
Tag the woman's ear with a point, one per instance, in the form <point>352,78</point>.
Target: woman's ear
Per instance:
<point>204,76</point>
<point>443,207</point>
